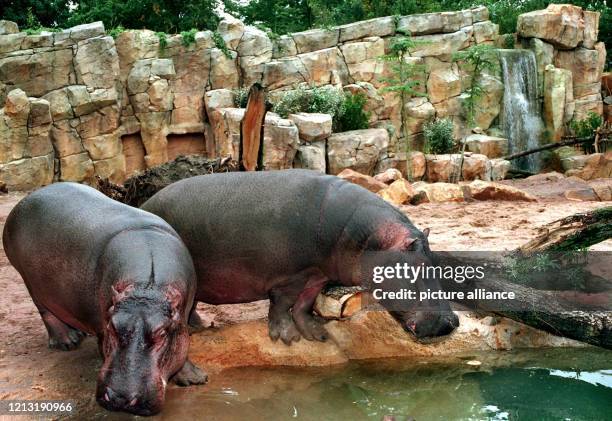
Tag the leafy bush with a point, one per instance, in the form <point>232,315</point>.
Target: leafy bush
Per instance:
<point>586,127</point>
<point>326,100</point>
<point>241,96</point>
<point>439,136</point>
<point>116,31</point>
<point>163,40</point>
<point>188,37</point>
<point>352,115</point>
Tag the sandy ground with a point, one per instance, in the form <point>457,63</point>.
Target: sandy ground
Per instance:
<point>29,370</point>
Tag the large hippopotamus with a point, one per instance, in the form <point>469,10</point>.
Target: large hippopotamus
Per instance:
<point>95,266</point>
<point>284,235</point>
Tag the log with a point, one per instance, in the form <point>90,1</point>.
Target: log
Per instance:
<point>578,231</point>
<point>547,147</point>
<point>251,129</point>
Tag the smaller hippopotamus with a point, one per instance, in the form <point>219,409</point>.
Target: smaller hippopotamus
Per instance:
<point>96,266</point>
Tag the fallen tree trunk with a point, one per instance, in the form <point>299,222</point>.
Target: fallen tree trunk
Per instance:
<point>547,147</point>
<point>251,129</point>
<point>578,231</point>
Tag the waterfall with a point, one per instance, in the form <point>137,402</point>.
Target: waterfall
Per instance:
<point>520,116</point>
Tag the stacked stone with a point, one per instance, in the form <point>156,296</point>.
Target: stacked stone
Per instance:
<point>570,61</point>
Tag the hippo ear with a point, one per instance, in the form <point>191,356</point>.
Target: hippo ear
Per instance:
<point>426,232</point>
<point>121,290</point>
<point>408,243</point>
<point>175,298</point>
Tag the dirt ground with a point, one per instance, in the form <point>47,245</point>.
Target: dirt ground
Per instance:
<point>29,370</point>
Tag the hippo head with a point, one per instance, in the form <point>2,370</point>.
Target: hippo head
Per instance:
<point>145,342</point>
<point>426,319</point>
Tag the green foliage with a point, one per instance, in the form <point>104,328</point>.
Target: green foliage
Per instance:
<point>439,136</point>
<point>352,114</point>
<point>325,100</point>
<point>479,58</point>
<point>241,96</point>
<point>116,31</point>
<point>586,127</point>
<point>508,41</point>
<point>170,16</point>
<point>402,81</point>
<point>188,37</point>
<point>163,40</point>
<point>220,44</point>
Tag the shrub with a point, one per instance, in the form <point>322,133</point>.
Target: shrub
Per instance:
<point>352,115</point>
<point>220,44</point>
<point>116,31</point>
<point>188,37</point>
<point>163,40</point>
<point>241,96</point>
<point>439,136</point>
<point>586,127</point>
<point>326,100</point>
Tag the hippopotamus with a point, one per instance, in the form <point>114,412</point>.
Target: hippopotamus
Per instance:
<point>94,266</point>
<point>283,235</point>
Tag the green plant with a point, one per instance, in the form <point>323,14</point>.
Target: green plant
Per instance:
<point>116,31</point>
<point>188,37</point>
<point>478,58</point>
<point>220,44</point>
<point>508,41</point>
<point>326,100</point>
<point>438,135</point>
<point>241,96</point>
<point>403,82</point>
<point>163,41</point>
<point>352,115</point>
<point>586,126</point>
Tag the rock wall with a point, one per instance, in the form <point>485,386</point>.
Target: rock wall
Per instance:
<point>570,62</point>
<point>120,105</point>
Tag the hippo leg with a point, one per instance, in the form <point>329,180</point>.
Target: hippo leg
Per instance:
<point>280,322</point>
<point>195,322</point>
<point>190,374</point>
<point>61,336</point>
<point>302,309</point>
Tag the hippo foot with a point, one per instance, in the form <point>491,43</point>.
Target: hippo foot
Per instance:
<point>283,328</point>
<point>195,323</point>
<point>66,339</point>
<point>310,329</point>
<point>190,374</point>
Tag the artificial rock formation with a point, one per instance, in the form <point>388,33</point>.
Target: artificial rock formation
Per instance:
<point>122,105</point>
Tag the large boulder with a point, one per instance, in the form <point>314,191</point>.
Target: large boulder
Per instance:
<point>280,142</point>
<point>315,39</point>
<point>410,165</point>
<point>454,167</point>
<point>440,192</point>
<point>363,58</point>
<point>443,83</point>
<point>312,126</point>
<point>379,27</point>
<point>558,96</point>
<point>8,27</point>
<point>325,67</point>
<point>486,190</point>
<point>586,66</point>
<point>588,167</point>
<point>490,146</point>
<point>358,150</point>
<point>311,157</point>
<point>400,192</point>
<point>365,181</point>
<point>559,24</point>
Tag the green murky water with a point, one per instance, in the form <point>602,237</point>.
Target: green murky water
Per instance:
<point>546,384</point>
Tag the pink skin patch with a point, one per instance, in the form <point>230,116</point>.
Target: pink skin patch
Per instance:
<point>393,236</point>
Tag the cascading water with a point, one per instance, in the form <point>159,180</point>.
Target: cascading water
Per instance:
<point>520,117</point>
